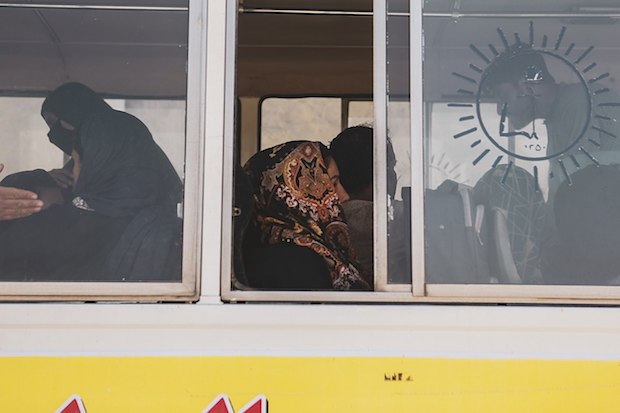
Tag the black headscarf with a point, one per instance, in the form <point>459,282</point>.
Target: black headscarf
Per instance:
<point>74,103</point>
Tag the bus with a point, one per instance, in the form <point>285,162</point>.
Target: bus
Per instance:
<point>471,315</point>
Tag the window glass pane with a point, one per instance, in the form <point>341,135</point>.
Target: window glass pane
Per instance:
<point>95,105</point>
<point>521,152</point>
<point>284,120</point>
<point>399,155</point>
<point>296,74</point>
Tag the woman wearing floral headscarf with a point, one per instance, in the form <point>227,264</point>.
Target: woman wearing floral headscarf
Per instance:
<point>301,240</point>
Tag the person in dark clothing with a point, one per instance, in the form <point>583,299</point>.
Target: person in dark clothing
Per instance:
<point>353,151</point>
<point>301,241</point>
<point>587,213</point>
<point>122,203</point>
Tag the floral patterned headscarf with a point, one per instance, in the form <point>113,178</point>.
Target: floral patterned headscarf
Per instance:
<point>296,203</point>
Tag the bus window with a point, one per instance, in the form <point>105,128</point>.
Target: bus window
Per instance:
<point>501,124</point>
<point>521,133</point>
<point>108,86</point>
<point>310,76</point>
<point>310,88</point>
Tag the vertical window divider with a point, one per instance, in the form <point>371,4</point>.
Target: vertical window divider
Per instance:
<point>218,151</point>
<point>380,142</point>
<point>194,159</point>
<point>416,50</point>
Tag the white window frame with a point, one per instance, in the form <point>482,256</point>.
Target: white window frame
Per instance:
<point>188,288</point>
<point>419,290</point>
<point>390,293</point>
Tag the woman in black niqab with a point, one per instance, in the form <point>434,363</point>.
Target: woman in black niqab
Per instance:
<point>120,222</point>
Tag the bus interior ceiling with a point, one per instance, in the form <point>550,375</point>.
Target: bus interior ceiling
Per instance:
<point>279,53</point>
<point>128,53</point>
<point>283,53</point>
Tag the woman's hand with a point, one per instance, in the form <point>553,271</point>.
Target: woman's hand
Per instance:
<point>17,203</point>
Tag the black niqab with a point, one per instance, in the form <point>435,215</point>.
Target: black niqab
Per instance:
<point>74,103</point>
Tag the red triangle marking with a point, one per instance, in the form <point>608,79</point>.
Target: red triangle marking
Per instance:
<point>221,404</point>
<point>256,405</point>
<point>72,405</point>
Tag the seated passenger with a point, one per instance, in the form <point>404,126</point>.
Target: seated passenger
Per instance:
<point>123,184</point>
<point>587,217</point>
<point>298,238</point>
<point>523,206</point>
<point>353,151</point>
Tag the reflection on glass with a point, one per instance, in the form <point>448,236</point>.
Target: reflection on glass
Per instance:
<point>522,125</point>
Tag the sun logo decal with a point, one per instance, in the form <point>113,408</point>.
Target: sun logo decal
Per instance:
<point>519,78</point>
